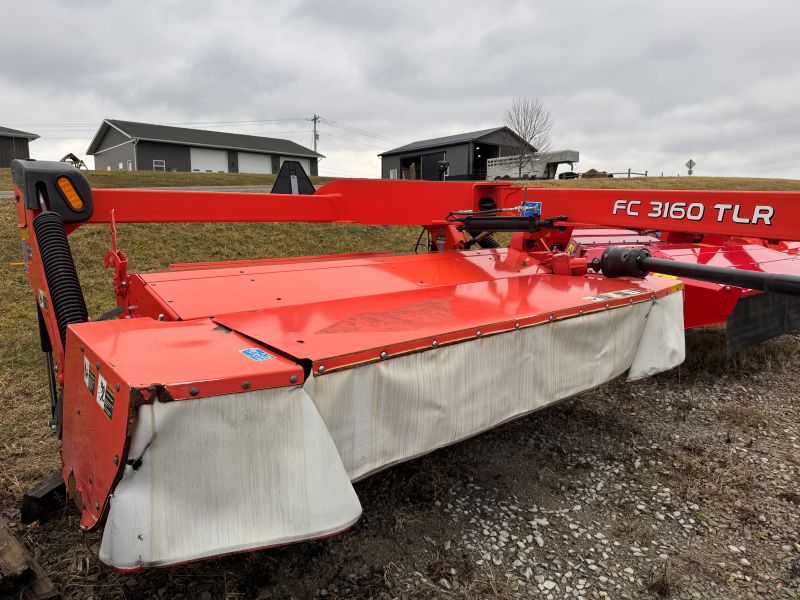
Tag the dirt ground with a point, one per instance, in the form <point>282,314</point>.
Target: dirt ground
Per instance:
<point>684,485</point>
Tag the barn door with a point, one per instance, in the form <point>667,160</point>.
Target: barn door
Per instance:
<point>430,165</point>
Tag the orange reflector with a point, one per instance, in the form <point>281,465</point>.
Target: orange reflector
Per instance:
<point>65,185</point>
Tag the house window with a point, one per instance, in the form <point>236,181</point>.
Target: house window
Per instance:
<point>159,165</point>
<point>392,173</point>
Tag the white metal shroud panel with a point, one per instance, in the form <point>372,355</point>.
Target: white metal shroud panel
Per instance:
<point>269,467</point>
<point>225,474</point>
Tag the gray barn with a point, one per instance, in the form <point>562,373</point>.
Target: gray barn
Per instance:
<point>466,154</point>
<point>130,146</point>
<point>14,144</point>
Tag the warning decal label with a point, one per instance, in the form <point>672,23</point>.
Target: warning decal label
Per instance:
<point>89,375</point>
<point>105,399</point>
<point>256,354</point>
<point>614,295</point>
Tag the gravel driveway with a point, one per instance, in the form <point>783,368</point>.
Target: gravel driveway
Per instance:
<point>682,486</point>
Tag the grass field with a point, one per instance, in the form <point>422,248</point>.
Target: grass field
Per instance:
<point>121,179</point>
<point>676,183</point>
<point>135,179</point>
<point>27,451</point>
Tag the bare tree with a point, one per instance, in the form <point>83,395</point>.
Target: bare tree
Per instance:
<point>531,121</point>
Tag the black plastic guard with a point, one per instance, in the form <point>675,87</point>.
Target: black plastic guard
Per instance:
<point>292,179</point>
<point>761,317</point>
<point>33,176</point>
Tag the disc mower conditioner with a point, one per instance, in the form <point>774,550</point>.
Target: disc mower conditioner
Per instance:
<point>231,405</point>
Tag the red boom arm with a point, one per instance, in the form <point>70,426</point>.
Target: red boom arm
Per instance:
<point>768,215</point>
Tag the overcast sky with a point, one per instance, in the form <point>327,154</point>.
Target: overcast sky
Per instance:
<point>645,85</point>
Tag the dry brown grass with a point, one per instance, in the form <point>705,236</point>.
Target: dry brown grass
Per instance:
<point>675,183</point>
<point>27,451</point>
<point>136,179</point>
<point>706,351</point>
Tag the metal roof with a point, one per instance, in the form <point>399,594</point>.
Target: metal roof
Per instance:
<point>449,140</point>
<point>186,136</point>
<point>8,132</point>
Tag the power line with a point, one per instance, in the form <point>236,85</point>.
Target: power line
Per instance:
<point>94,125</point>
<point>354,141</point>
<point>257,121</point>
<point>254,133</point>
<point>340,172</point>
<point>359,131</point>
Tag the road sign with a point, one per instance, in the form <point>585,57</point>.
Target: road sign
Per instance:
<point>690,164</point>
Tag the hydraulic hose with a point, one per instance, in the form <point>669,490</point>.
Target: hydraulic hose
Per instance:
<point>66,296</point>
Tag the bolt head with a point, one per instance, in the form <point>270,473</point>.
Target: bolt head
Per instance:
<point>434,343</point>
<point>516,325</point>
<point>321,369</point>
<point>384,354</point>
<point>193,391</point>
<point>245,385</point>
<point>97,506</point>
<point>478,333</point>
<point>116,387</point>
<point>552,318</point>
<point>293,379</point>
<point>116,459</point>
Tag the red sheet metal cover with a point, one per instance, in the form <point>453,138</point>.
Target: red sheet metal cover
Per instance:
<point>207,292</point>
<point>340,331</point>
<point>183,355</point>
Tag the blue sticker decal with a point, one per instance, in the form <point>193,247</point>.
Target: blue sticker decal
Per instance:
<point>256,354</point>
<point>531,209</point>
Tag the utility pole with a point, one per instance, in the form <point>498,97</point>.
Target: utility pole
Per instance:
<point>315,120</point>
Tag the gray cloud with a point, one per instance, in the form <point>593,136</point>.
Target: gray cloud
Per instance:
<point>631,84</point>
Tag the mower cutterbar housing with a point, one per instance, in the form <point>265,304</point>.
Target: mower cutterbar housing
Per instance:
<point>234,403</point>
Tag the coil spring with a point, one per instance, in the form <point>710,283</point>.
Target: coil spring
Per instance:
<point>489,242</point>
<point>66,296</point>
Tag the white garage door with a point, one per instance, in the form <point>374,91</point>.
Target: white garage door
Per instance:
<point>208,160</point>
<point>250,162</point>
<point>303,161</point>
